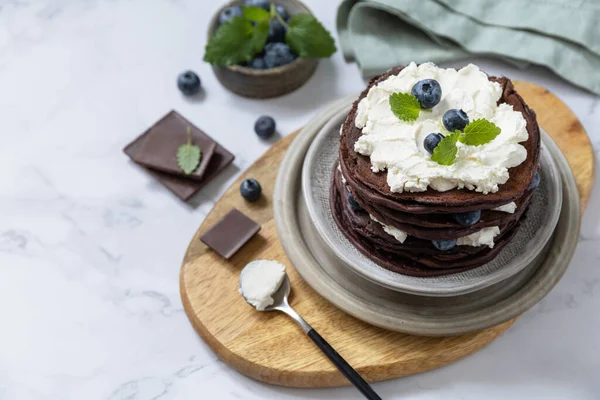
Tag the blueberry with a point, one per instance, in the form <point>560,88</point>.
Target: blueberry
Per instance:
<point>431,141</point>
<point>264,127</point>
<point>353,203</point>
<point>250,190</point>
<point>257,63</point>
<point>536,181</point>
<point>188,82</point>
<point>276,32</point>
<point>469,218</point>
<point>444,245</point>
<point>282,12</point>
<point>455,120</point>
<point>230,13</point>
<point>278,54</point>
<point>264,4</point>
<point>428,92</point>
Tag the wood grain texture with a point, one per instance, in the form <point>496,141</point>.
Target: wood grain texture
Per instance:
<point>566,130</point>
<point>270,347</point>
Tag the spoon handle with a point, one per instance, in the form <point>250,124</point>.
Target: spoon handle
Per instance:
<point>343,366</point>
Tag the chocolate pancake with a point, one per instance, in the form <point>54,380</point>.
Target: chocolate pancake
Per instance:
<point>356,168</point>
<point>423,259</point>
<point>406,221</point>
<point>418,250</point>
<point>429,234</point>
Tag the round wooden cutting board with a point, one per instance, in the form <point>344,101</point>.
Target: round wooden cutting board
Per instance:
<point>270,347</point>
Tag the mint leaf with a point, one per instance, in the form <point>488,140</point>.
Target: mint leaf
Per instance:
<point>308,38</point>
<point>445,152</point>
<point>480,131</point>
<point>235,42</point>
<point>256,14</point>
<point>188,158</point>
<point>405,106</point>
<point>188,155</point>
<point>260,35</point>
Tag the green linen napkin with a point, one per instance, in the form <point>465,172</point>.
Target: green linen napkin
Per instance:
<point>562,35</point>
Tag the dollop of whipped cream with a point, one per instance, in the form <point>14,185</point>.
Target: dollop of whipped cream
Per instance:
<point>480,238</point>
<point>507,208</point>
<point>397,146</point>
<point>390,230</point>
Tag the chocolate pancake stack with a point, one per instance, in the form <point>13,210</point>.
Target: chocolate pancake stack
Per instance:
<point>372,217</point>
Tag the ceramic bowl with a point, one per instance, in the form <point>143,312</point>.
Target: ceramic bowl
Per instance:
<point>266,83</point>
<point>331,278</point>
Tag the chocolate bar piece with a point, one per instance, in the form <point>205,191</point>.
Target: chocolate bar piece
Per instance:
<point>181,186</point>
<point>159,149</point>
<point>228,235</point>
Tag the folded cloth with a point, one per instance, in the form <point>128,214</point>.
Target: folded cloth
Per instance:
<point>562,35</point>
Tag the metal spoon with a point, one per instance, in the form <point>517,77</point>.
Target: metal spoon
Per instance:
<point>280,303</point>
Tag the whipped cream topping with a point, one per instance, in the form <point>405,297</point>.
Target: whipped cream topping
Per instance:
<point>507,208</point>
<point>397,146</point>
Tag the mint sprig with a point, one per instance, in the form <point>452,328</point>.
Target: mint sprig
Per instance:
<point>308,38</point>
<point>476,133</point>
<point>480,131</point>
<point>259,37</point>
<point>235,42</point>
<point>405,106</point>
<point>445,152</point>
<point>189,155</point>
<point>256,14</point>
<point>240,39</point>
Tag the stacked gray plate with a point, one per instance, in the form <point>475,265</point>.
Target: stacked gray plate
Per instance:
<point>521,275</point>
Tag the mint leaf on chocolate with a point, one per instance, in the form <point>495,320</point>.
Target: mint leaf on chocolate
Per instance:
<point>256,14</point>
<point>189,155</point>
<point>308,38</point>
<point>405,106</point>
<point>478,132</point>
<point>445,152</point>
<point>235,42</point>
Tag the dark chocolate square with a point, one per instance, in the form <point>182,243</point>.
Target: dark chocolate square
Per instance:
<point>159,149</point>
<point>182,186</point>
<point>228,235</point>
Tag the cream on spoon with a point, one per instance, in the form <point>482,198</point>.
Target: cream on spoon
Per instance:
<point>265,286</point>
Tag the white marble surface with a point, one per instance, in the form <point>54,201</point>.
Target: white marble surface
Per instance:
<point>90,245</point>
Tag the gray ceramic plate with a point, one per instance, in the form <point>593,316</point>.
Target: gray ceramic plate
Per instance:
<point>532,236</point>
<point>420,315</point>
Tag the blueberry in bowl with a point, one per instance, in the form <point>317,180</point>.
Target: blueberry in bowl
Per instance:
<point>264,4</point>
<point>278,47</point>
<point>282,11</point>
<point>276,32</point>
<point>278,55</point>
<point>230,13</point>
<point>257,63</point>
